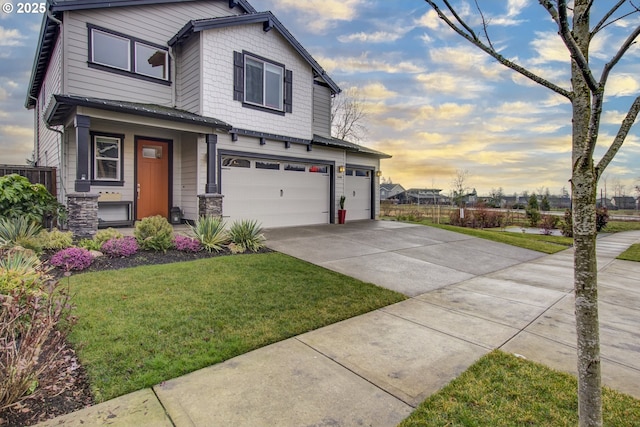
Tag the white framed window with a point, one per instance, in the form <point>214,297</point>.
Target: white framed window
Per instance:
<point>264,83</point>
<point>119,53</point>
<point>107,158</point>
<point>110,50</point>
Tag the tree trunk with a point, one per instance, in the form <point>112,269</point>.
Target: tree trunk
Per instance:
<point>584,184</point>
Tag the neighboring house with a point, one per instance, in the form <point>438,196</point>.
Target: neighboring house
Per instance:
<point>623,202</point>
<point>423,196</point>
<point>389,191</point>
<point>206,105</point>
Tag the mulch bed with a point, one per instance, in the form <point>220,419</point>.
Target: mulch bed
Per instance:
<point>69,390</point>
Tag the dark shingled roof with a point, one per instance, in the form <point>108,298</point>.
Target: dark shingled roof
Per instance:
<point>348,146</point>
<point>62,105</point>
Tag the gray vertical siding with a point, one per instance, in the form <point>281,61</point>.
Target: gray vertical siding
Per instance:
<point>188,76</point>
<point>321,111</point>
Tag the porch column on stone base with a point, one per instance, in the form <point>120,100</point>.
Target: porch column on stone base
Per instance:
<point>82,218</point>
<point>210,204</point>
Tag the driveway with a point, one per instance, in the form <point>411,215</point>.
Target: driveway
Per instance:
<point>407,258</point>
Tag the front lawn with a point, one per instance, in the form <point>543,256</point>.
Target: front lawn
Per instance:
<point>140,326</point>
<point>503,390</point>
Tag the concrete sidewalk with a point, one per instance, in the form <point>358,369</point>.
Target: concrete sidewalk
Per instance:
<point>468,296</point>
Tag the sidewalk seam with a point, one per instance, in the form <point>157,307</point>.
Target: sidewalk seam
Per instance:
<point>153,390</point>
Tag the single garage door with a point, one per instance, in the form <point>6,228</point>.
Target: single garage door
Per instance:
<point>275,193</point>
<point>358,194</point>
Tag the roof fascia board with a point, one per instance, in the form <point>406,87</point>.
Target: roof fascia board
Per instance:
<point>100,4</point>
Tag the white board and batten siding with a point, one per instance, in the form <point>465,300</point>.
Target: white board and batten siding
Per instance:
<point>141,22</point>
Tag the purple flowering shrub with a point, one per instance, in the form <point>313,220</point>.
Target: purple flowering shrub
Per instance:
<point>186,244</point>
<point>122,247</point>
<point>72,259</point>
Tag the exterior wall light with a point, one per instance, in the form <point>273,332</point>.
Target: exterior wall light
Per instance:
<point>341,169</point>
<point>378,173</point>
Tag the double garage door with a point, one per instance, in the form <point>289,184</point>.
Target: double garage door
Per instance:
<point>276,193</point>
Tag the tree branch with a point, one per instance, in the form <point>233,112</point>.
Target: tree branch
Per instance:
<point>620,137</point>
<point>603,22</point>
<point>492,52</point>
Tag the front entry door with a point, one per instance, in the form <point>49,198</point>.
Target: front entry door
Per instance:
<point>152,178</point>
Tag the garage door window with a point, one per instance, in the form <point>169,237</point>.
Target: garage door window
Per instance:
<point>236,163</point>
<point>295,167</point>
<point>318,169</point>
<point>268,165</point>
<point>360,172</point>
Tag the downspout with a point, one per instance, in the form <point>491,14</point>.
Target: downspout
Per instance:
<point>36,120</point>
<point>174,77</point>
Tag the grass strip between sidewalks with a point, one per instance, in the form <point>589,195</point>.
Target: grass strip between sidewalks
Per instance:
<point>631,254</point>
<point>535,242</point>
<point>503,390</point>
<point>140,326</point>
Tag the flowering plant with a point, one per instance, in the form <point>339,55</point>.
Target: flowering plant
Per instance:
<point>72,259</point>
<point>186,244</point>
<point>123,247</point>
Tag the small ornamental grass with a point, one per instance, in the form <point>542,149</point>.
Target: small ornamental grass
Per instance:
<point>246,235</point>
<point>124,247</point>
<point>186,244</point>
<point>72,259</point>
<point>210,232</point>
<point>19,232</point>
<point>21,269</point>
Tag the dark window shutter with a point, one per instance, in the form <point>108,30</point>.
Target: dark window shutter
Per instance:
<point>238,76</point>
<point>288,91</point>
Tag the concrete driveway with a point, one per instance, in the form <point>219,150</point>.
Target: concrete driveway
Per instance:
<point>407,258</point>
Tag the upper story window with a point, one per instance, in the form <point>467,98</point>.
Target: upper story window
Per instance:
<point>262,84</point>
<point>112,51</point>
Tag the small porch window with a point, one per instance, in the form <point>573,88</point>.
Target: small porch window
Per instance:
<point>107,159</point>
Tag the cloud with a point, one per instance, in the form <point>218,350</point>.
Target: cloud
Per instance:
<point>549,48</point>
<point>376,90</point>
<point>319,15</point>
<point>16,131</point>
<point>465,57</point>
<point>11,37</point>
<point>464,87</point>
<point>623,85</point>
<point>376,36</point>
<point>362,63</point>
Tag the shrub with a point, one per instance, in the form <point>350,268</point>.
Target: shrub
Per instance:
<point>246,235</point>
<point>186,244</point>
<point>567,225</point>
<point>602,218</point>
<point>124,247</point>
<point>31,338</point>
<point>154,233</point>
<point>210,232</point>
<point>21,269</point>
<point>549,222</point>
<point>72,259</point>
<point>19,231</point>
<point>21,199</point>
<point>55,239</point>
<point>533,215</point>
<point>103,236</point>
<point>456,219</point>
<point>89,244</point>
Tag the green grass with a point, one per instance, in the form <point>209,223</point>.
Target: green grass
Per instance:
<point>631,254</point>
<point>140,326</point>
<point>503,390</point>
<point>618,226</point>
<point>536,242</point>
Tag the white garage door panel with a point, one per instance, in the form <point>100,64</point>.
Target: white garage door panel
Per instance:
<point>358,194</point>
<point>275,198</point>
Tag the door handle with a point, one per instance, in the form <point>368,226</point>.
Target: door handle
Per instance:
<point>138,191</point>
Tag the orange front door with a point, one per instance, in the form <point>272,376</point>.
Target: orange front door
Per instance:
<point>152,178</point>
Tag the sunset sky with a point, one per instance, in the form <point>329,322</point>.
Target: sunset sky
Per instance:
<point>434,102</point>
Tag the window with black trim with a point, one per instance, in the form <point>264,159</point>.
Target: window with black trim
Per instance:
<point>261,83</point>
<point>120,53</point>
<point>106,152</point>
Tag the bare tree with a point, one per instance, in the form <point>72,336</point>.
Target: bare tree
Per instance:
<point>348,116</point>
<point>587,100</point>
<point>460,186</point>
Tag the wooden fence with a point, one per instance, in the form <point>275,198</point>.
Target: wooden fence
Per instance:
<point>36,175</point>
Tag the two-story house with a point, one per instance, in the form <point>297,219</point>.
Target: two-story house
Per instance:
<point>205,105</point>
